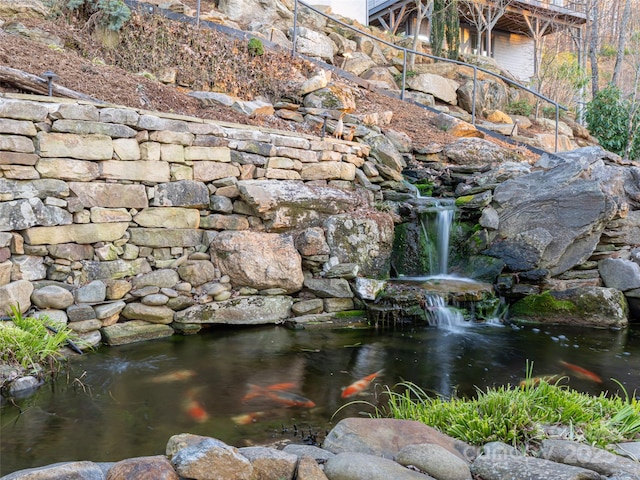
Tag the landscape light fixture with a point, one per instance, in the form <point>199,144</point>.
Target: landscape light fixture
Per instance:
<point>50,76</point>
<point>325,116</point>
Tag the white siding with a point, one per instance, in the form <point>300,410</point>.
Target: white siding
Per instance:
<point>514,53</point>
<point>356,9</point>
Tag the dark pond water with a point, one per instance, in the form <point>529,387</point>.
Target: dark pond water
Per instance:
<point>127,401</point>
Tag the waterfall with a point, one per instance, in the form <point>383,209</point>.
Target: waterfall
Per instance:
<point>437,220</point>
<point>440,315</point>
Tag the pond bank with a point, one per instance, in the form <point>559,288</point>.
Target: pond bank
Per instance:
<point>357,448</point>
<point>130,399</point>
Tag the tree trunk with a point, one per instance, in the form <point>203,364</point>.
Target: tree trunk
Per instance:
<point>593,48</point>
<point>622,32</point>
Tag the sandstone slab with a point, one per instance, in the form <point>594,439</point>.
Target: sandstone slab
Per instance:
<point>134,331</point>
<point>168,217</point>
<point>110,195</point>
<point>249,310</point>
<point>78,233</point>
<point>166,237</point>
<point>135,170</point>
<point>82,147</point>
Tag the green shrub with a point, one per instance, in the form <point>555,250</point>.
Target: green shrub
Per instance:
<point>110,14</point>
<point>255,47</point>
<point>610,119</point>
<point>519,107</point>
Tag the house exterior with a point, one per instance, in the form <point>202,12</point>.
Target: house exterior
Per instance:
<point>356,9</point>
<point>513,38</point>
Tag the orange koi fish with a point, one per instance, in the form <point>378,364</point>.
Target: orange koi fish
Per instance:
<point>258,391</point>
<point>290,399</point>
<point>175,376</point>
<point>581,372</point>
<point>194,409</point>
<point>360,385</point>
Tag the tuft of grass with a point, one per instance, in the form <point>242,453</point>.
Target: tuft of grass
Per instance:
<point>517,415</point>
<point>27,342</point>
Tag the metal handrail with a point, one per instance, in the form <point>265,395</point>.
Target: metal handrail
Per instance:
<point>406,51</point>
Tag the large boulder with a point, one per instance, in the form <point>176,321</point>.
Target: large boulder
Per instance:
<point>553,217</point>
<point>478,151</point>
<point>288,205</point>
<point>314,44</point>
<point>247,11</point>
<point>258,260</point>
<point>490,95</point>
<point>440,87</point>
<point>365,240</point>
<point>583,306</point>
<point>332,97</point>
<point>386,437</point>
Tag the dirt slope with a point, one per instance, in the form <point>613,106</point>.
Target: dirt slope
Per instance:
<point>115,85</point>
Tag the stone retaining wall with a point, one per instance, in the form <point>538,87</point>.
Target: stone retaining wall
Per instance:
<point>130,225</point>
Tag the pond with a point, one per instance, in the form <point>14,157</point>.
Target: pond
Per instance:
<point>267,384</point>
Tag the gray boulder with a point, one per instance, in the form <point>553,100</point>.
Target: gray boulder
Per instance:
<point>356,466</point>
<point>553,217</point>
<point>499,467</point>
<point>586,456</point>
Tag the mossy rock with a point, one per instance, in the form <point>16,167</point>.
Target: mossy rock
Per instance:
<point>584,306</point>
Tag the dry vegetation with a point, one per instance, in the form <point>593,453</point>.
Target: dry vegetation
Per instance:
<point>126,72</point>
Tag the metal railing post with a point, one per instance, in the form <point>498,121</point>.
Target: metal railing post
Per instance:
<point>295,28</point>
<point>404,73</point>
<point>557,122</point>
<point>473,101</point>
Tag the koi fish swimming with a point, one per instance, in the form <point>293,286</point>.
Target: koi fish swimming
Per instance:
<point>280,394</point>
<point>193,408</point>
<point>581,372</point>
<point>360,385</point>
<point>290,399</point>
<point>174,376</point>
<point>257,391</point>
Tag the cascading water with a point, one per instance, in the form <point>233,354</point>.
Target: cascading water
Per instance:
<point>424,289</point>
<point>440,315</point>
<point>441,214</point>
<point>435,219</point>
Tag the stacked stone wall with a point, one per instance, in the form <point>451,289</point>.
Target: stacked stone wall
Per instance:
<point>129,224</point>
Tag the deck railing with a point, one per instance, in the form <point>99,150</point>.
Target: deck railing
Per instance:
<point>407,51</point>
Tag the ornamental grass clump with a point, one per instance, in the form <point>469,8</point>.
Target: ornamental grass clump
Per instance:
<point>26,341</point>
<point>518,415</point>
